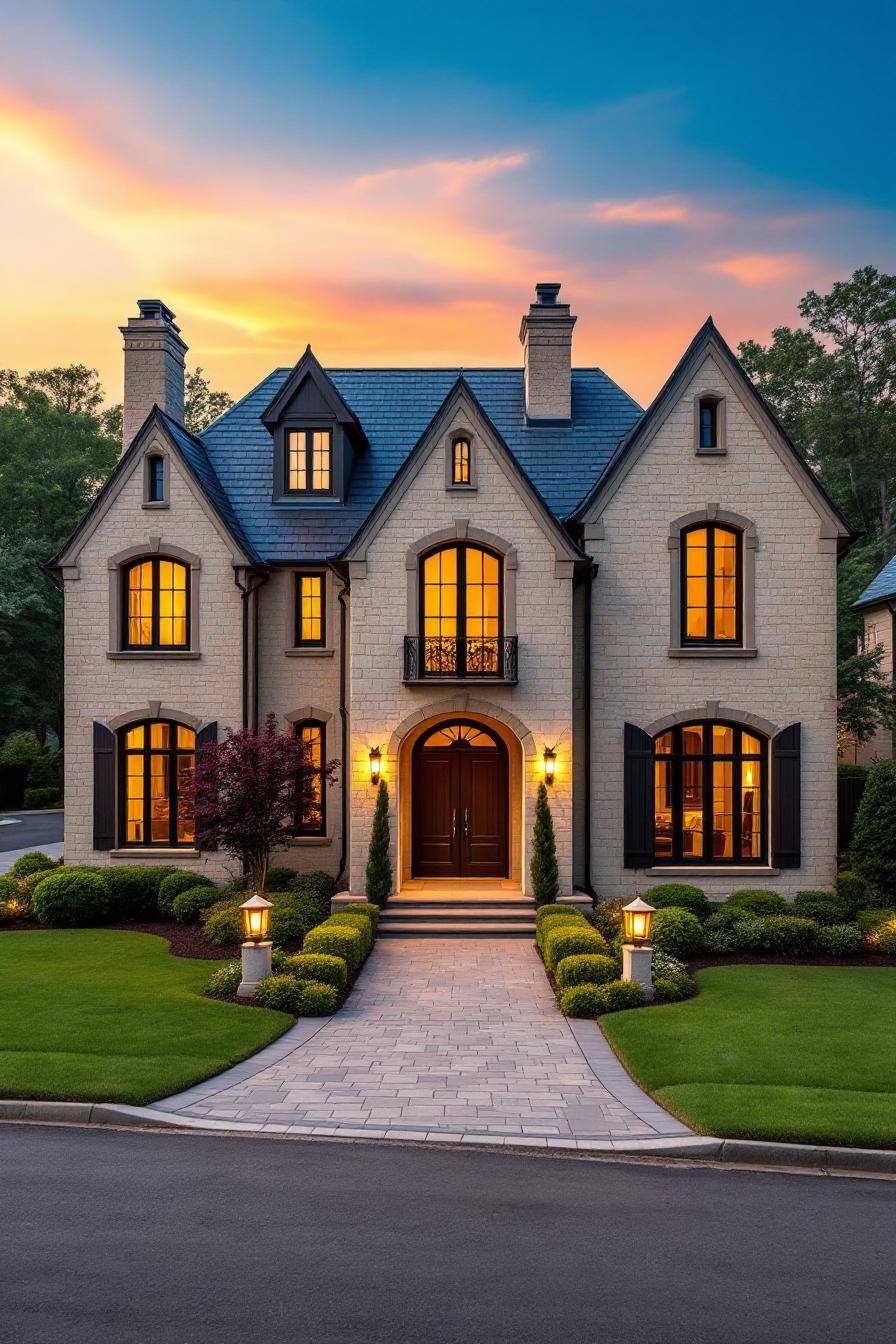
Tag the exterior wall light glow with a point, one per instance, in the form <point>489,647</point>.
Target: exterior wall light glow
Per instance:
<point>376,761</point>
<point>550,764</point>
<point>256,950</point>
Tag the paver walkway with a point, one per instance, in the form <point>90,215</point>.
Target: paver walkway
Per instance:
<point>444,1038</point>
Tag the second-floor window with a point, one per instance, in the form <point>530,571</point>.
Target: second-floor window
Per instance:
<point>461,612</point>
<point>310,611</point>
<point>711,601</point>
<point>309,465</point>
<point>311,816</point>
<point>156,605</point>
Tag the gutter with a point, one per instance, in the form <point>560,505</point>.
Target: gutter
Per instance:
<point>588,579</point>
<point>344,592</point>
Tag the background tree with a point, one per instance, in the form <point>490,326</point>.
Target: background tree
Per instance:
<point>543,865</point>
<point>866,698</point>
<point>873,844</point>
<point>379,862</point>
<point>248,789</point>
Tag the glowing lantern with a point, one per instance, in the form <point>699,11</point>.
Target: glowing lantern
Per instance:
<point>256,917</point>
<point>636,920</point>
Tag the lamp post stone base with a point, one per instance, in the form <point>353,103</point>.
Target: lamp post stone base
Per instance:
<point>256,967</point>
<point>636,965</point>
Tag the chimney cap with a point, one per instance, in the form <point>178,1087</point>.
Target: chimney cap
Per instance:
<point>547,291</point>
<point>156,310</point>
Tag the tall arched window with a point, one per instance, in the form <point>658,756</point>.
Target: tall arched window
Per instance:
<point>461,612</point>
<point>311,811</point>
<point>157,763</point>
<point>709,794</point>
<point>156,604</point>
<point>711,585</point>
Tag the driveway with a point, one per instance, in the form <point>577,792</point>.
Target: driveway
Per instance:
<point>23,831</point>
<point>441,1037</point>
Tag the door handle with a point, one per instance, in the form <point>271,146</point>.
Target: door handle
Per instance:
<point>466,827</point>
<point>453,822</point>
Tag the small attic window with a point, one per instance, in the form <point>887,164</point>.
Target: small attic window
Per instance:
<point>710,424</point>
<point>154,486</point>
<point>460,462</point>
<point>309,462</point>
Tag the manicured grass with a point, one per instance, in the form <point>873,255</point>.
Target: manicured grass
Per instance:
<point>102,1015</point>
<point>799,1053</point>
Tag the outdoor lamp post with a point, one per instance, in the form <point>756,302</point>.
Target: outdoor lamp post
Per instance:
<point>376,761</point>
<point>256,950</point>
<point>637,955</point>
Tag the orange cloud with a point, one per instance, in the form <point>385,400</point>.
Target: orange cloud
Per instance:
<point>758,268</point>
<point>652,210</point>
<point>449,176</point>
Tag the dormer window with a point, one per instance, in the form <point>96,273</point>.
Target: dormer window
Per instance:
<point>309,466</point>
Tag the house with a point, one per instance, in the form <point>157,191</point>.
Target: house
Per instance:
<point>469,581</point>
<point>878,607</point>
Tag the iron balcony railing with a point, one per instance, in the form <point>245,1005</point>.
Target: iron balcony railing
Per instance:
<point>456,658</point>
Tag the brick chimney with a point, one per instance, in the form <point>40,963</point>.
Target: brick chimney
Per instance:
<point>153,366</point>
<point>546,338</point>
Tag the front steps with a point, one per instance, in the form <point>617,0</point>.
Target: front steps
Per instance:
<point>427,910</point>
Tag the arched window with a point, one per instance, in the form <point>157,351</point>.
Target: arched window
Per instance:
<point>156,605</point>
<point>461,612</point>
<point>460,462</point>
<point>157,763</point>
<point>709,794</point>
<point>711,585</point>
<point>311,812</point>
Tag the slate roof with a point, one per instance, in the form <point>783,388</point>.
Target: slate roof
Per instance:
<point>195,453</point>
<point>881,588</point>
<point>394,407</point>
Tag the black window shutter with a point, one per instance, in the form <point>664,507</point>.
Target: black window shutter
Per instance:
<point>786,798</point>
<point>638,798</point>
<point>207,734</point>
<point>103,787</point>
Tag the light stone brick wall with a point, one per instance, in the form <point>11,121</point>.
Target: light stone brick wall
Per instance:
<point>97,687</point>
<point>153,373</point>
<point>548,358</point>
<point>878,630</point>
<point>381,703</point>
<point>293,681</point>
<point>793,678</point>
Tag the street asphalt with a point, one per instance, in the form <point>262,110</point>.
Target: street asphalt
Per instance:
<point>126,1237</point>
<point>29,830</point>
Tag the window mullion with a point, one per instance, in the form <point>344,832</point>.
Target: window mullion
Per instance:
<point>677,795</point>
<point>172,790</point>
<point>711,584</point>
<point>462,609</point>
<point>707,793</point>
<point>147,787</point>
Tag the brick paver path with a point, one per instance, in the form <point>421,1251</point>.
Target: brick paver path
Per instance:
<point>447,1037</point>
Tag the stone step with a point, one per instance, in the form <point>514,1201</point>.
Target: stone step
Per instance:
<point>456,910</point>
<point>456,928</point>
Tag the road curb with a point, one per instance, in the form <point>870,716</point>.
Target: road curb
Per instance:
<point>695,1148</point>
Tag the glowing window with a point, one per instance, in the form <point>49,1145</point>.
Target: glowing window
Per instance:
<point>460,462</point>
<point>310,613</point>
<point>461,612</point>
<point>309,461</point>
<point>158,760</point>
<point>711,585</point>
<point>311,816</point>
<point>709,795</point>
<point>156,605</point>
<point>459,735</point>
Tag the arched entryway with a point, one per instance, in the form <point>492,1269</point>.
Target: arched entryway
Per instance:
<point>460,809</point>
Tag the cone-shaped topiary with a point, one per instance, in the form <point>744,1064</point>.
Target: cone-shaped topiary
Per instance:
<point>873,846</point>
<point>379,864</point>
<point>543,867</point>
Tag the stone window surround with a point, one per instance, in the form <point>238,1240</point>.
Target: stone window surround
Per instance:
<point>115,564</point>
<point>460,432</point>
<point>721,444</point>
<point>154,710</point>
<point>711,513</point>
<point>461,531</point>
<point>157,450</point>
<point>328,648</point>
<point>323,716</point>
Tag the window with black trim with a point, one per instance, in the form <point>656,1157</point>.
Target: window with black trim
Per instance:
<point>309,462</point>
<point>460,462</point>
<point>157,764</point>
<point>155,479</point>
<point>311,811</point>
<point>461,611</point>
<point>155,604</point>
<point>711,585</point>
<point>708,423</point>
<point>709,791</point>
<point>311,602</point>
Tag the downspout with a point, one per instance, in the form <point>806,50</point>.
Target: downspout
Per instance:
<point>344,592</point>
<point>589,593</point>
<point>248,589</point>
<point>244,594</point>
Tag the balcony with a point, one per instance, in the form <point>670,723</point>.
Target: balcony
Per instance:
<point>453,658</point>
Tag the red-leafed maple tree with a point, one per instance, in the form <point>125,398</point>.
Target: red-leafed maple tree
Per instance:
<point>249,790</point>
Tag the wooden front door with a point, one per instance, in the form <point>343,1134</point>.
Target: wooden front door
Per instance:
<point>460,804</point>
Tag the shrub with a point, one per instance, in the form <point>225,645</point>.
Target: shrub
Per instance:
<point>664,964</point>
<point>317,966</point>
<point>175,883</point>
<point>135,890</point>
<point>291,918</point>
<point>567,942</point>
<point>585,969</point>
<point>317,886</point>
<point>67,898</point>
<point>543,864</point>
<point>280,878</point>
<point>9,888</point>
<point>675,987</point>
<point>39,798</point>
<point>189,904</point>
<point>840,940</point>
<point>825,907</point>
<point>336,940</point>
<point>359,922</point>
<point>280,992</point>
<point>582,1001</point>
<point>378,874</point>
<point>317,999</point>
<point>873,846</point>
<point>677,931</point>
<point>883,938</point>
<point>868,920</point>
<point>784,935</point>
<point>32,862</point>
<point>757,903</point>
<point>364,908</point>
<point>553,908</point>
<point>620,994</point>
<point>222,923</point>
<point>560,922</point>
<point>855,891</point>
<point>225,980</point>
<point>681,895</point>
<point>606,917</point>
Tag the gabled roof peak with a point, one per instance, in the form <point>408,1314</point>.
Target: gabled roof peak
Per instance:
<point>309,367</point>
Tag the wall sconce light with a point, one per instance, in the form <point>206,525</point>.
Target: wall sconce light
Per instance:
<point>376,761</point>
<point>550,764</point>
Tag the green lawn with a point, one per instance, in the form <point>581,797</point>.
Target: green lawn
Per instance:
<point>799,1053</point>
<point>102,1015</point>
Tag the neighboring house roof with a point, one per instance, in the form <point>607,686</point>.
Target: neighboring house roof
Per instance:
<point>394,407</point>
<point>881,589</point>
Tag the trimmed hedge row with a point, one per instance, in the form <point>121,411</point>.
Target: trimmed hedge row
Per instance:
<point>585,969</point>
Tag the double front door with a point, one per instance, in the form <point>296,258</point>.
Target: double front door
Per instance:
<point>460,811</point>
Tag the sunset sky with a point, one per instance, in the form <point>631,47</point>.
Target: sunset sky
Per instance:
<point>388,181</point>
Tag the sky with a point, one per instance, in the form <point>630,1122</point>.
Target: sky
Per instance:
<point>388,181</point>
